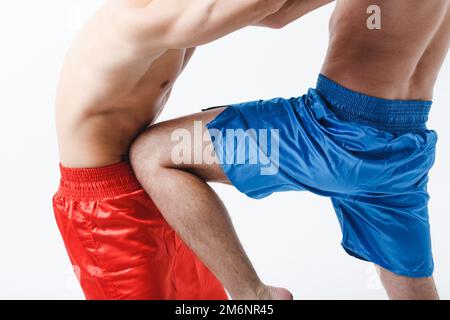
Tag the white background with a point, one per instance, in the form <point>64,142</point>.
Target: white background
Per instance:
<point>293,238</point>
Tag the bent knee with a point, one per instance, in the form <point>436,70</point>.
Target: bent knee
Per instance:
<point>146,153</point>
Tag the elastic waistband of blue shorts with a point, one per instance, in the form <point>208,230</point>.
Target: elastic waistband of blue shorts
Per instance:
<point>390,115</point>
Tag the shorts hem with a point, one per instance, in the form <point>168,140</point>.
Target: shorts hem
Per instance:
<point>366,257</point>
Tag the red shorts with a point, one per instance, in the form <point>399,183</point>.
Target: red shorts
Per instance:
<point>120,245</point>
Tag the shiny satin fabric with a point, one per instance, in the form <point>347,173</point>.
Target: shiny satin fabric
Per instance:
<point>372,161</point>
<point>120,246</point>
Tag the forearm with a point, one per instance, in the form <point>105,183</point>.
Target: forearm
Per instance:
<point>203,21</point>
<point>175,24</point>
<point>291,11</point>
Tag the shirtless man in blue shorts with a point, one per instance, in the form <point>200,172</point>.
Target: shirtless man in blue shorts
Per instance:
<point>359,138</point>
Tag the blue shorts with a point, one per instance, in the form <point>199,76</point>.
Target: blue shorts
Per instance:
<point>371,156</point>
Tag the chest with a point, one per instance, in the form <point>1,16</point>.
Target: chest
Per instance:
<point>164,71</point>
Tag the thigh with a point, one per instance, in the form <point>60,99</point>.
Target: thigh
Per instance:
<point>183,143</point>
<point>192,148</point>
<point>260,147</point>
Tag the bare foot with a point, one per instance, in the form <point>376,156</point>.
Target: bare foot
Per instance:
<point>274,293</point>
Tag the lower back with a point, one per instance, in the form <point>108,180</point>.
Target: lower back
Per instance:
<point>399,61</point>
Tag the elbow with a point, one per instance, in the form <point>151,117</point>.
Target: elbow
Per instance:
<point>274,23</point>
<point>272,17</point>
<point>271,6</point>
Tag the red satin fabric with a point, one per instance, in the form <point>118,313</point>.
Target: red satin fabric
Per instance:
<point>119,244</point>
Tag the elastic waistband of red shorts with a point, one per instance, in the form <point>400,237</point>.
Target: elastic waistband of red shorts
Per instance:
<point>98,183</point>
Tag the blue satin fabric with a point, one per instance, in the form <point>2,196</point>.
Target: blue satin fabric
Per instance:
<point>370,156</point>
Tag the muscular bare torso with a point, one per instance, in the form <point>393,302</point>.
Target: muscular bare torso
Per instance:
<point>400,61</point>
<point>110,89</point>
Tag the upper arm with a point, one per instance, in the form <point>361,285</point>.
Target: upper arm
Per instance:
<point>188,23</point>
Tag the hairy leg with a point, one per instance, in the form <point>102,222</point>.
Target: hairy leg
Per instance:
<point>404,288</point>
<point>191,206</point>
